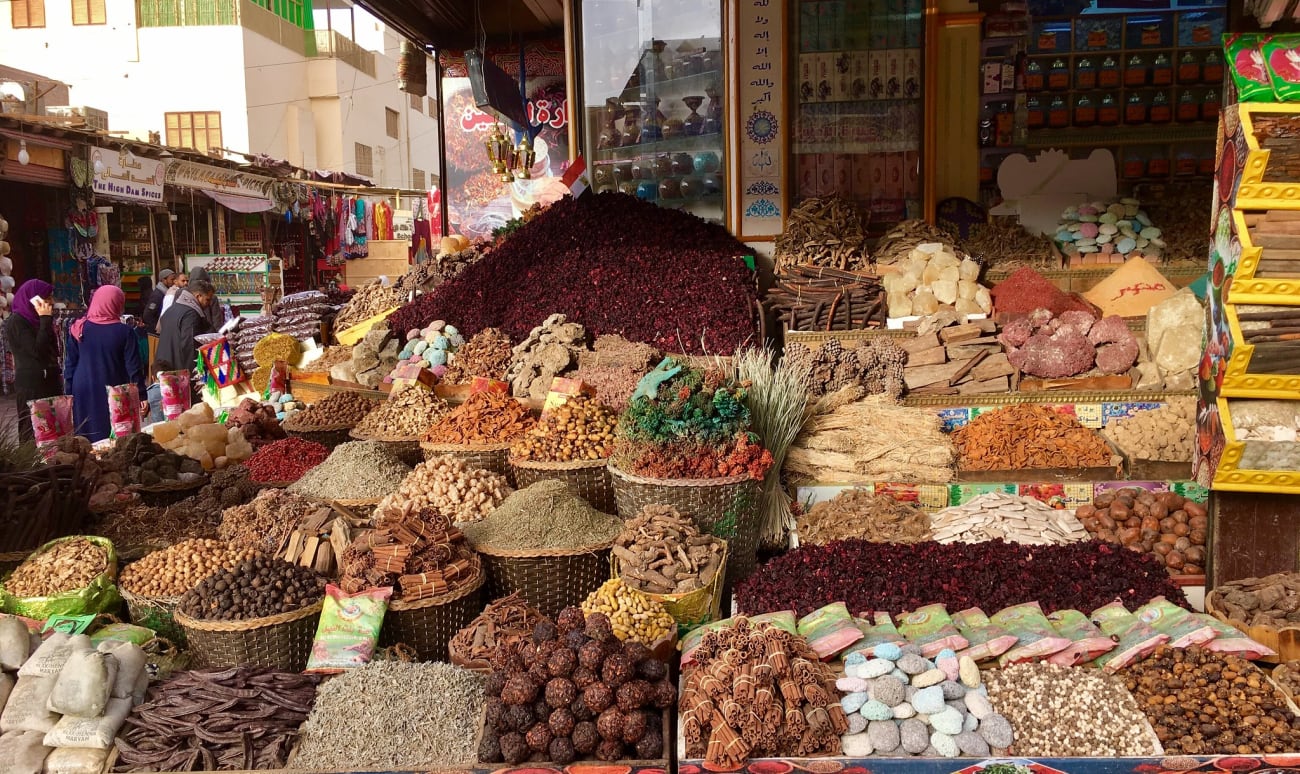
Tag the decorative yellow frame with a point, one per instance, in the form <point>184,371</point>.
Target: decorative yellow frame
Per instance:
<point>1229,477</point>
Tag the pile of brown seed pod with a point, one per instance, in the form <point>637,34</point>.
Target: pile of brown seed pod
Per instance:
<point>173,571</point>
<point>660,551</point>
<point>580,429</point>
<point>1206,703</point>
<point>448,486</point>
<point>339,409</point>
<point>256,588</point>
<point>859,514</point>
<point>502,625</point>
<point>266,521</point>
<point>486,354</point>
<point>405,414</point>
<point>1065,712</point>
<point>65,566</point>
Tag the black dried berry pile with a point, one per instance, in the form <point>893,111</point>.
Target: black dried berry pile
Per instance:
<point>574,691</point>
<point>253,589</point>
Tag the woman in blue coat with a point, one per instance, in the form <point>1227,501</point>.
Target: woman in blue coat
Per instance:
<point>101,352</point>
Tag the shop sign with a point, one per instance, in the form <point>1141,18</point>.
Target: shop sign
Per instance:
<point>403,225</point>
<point>759,109</point>
<point>123,175</point>
<point>227,181</point>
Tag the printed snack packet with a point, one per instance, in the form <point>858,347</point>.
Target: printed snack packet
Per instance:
<point>175,389</point>
<point>51,420</point>
<point>1035,637</point>
<point>1281,55</point>
<point>348,629</point>
<point>123,410</point>
<point>1247,68</point>
<point>1086,641</point>
<point>1167,618</point>
<point>931,628</point>
<point>1231,640</point>
<point>1134,639</point>
<point>278,381</point>
<point>884,632</point>
<point>829,630</point>
<point>985,639</point>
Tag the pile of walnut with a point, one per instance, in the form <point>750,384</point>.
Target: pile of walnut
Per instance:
<point>1165,524</point>
<point>579,429</point>
<point>550,350</point>
<point>573,691</point>
<point>758,691</point>
<point>1273,600</point>
<point>660,551</point>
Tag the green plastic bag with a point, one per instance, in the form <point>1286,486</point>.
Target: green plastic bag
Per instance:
<point>98,597</point>
<point>1247,68</point>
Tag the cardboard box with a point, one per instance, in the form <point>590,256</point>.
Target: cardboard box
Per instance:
<point>843,173</point>
<point>912,174</point>
<point>911,73</point>
<point>860,76</point>
<point>876,68</point>
<point>843,76</point>
<point>825,76</point>
<point>894,176</point>
<point>808,26</point>
<point>807,77</point>
<point>894,73</point>
<point>806,173</point>
<point>861,176</point>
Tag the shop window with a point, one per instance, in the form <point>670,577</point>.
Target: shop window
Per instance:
<point>365,160</point>
<point>27,13</point>
<point>433,108</point>
<point>417,179</point>
<point>417,103</point>
<point>200,131</point>
<point>391,123</point>
<point>88,12</point>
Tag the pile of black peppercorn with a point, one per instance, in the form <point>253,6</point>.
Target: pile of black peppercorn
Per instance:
<point>260,587</point>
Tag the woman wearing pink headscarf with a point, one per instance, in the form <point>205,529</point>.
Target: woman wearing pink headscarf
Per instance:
<point>101,352</point>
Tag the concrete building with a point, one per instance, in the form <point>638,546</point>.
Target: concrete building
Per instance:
<point>273,77</point>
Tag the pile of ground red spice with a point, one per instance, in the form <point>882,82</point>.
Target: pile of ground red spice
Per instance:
<point>1026,290</point>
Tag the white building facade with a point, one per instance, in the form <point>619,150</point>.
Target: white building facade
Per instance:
<point>242,76</point>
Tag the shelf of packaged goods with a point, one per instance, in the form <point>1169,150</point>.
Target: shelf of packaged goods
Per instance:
<point>1240,382</point>
<point>1229,476</point>
<point>1258,187</point>
<point>1120,136</point>
<point>700,142</point>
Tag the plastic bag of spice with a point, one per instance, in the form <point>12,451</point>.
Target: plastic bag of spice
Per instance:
<point>1167,618</point>
<point>51,420</point>
<point>1035,637</point>
<point>348,629</point>
<point>931,628</point>
<point>1230,640</point>
<point>175,389</point>
<point>984,638</point>
<point>829,630</point>
<point>1086,641</point>
<point>1281,54</point>
<point>884,632</point>
<point>1247,68</point>
<point>123,410</point>
<point>1135,640</point>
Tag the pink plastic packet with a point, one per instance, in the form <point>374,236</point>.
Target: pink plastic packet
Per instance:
<point>1035,637</point>
<point>176,397</point>
<point>1167,618</point>
<point>1135,639</point>
<point>985,639</point>
<point>123,410</point>
<point>884,632</point>
<point>931,628</point>
<point>1231,640</point>
<point>1086,640</point>
<point>278,380</point>
<point>829,630</point>
<point>51,420</point>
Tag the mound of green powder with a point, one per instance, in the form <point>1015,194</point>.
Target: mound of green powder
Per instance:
<point>544,515</point>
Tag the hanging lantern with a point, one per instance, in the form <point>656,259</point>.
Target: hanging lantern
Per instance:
<point>523,158</point>
<point>500,153</point>
<point>412,70</point>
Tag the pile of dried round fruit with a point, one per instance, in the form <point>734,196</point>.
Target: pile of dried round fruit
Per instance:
<point>173,571</point>
<point>572,691</point>
<point>342,409</point>
<point>256,588</point>
<point>1165,524</point>
<point>579,429</point>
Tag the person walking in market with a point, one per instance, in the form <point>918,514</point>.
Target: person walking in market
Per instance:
<point>179,283</point>
<point>215,314</point>
<point>183,320</point>
<point>101,352</point>
<point>29,332</point>
<point>153,308</point>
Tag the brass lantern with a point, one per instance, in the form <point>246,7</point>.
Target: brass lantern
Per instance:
<point>499,152</point>
<point>524,158</point>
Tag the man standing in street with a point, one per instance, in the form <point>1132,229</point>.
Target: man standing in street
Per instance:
<point>153,309</point>
<point>179,283</point>
<point>183,320</point>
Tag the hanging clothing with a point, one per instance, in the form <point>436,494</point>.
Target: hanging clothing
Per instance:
<point>106,355</point>
<point>383,221</point>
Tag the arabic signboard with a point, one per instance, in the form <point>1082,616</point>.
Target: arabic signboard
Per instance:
<point>123,175</point>
<point>227,181</point>
<point>759,111</point>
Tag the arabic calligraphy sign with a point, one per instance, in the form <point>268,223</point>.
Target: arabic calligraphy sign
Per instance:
<point>759,113</point>
<point>123,175</point>
<point>228,181</point>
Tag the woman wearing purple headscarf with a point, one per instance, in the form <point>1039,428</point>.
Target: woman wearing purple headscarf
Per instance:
<point>29,332</point>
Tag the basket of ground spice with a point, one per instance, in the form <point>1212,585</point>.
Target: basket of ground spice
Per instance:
<point>572,443</point>
<point>328,422</point>
<point>480,431</point>
<point>546,543</point>
<point>355,473</point>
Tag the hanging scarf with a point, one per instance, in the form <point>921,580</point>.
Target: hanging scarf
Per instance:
<point>105,307</point>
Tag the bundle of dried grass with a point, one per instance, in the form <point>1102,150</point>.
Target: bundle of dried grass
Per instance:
<point>849,439</point>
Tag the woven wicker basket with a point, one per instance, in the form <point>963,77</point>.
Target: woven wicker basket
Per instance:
<point>724,507</point>
<point>548,579</point>
<point>282,641</point>
<point>406,449</point>
<point>494,457</point>
<point>328,436</point>
<point>39,505</point>
<point>1285,640</point>
<point>157,613</point>
<point>429,624</point>
<point>692,608</point>
<point>588,479</point>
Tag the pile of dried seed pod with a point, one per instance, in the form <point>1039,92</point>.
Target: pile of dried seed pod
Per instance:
<point>579,429</point>
<point>857,513</point>
<point>380,716</point>
<point>264,523</point>
<point>1027,436</point>
<point>342,409</point>
<point>502,625</point>
<point>418,554</point>
<point>65,566</point>
<point>233,719</point>
<point>484,418</point>
<point>357,470</point>
<point>788,708</point>
<point>405,414</point>
<point>1009,517</point>
<point>1287,676</point>
<point>255,588</point>
<point>1273,600</point>
<point>661,551</point>
<point>486,354</point>
<point>1067,712</point>
<point>173,571</point>
<point>450,487</point>
<point>633,615</point>
<point>1206,703</point>
<point>1166,434</point>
